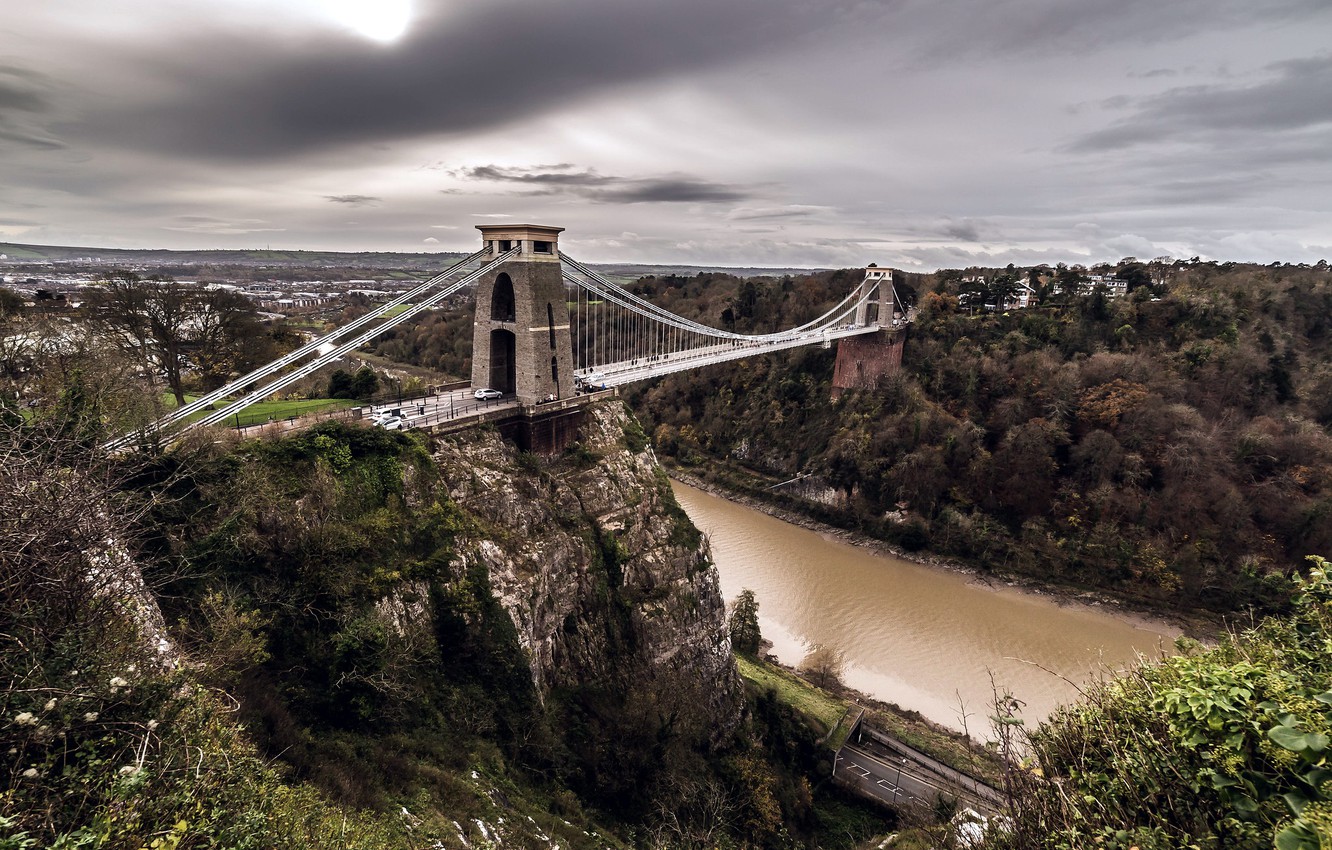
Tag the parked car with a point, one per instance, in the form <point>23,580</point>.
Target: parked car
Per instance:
<point>485,393</point>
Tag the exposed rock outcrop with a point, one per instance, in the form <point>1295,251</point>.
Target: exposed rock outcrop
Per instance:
<point>606,580</point>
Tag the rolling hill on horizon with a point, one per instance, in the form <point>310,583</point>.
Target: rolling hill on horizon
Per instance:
<point>18,252</point>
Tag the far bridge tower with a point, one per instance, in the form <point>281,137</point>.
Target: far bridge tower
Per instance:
<point>863,360</point>
<point>520,340</point>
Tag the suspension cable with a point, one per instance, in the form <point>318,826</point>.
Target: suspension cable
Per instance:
<point>240,383</point>
<point>350,345</point>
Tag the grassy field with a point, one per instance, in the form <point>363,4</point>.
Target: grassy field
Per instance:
<point>395,312</point>
<point>263,411</point>
<point>818,705</point>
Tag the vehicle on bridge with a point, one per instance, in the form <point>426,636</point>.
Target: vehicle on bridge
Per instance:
<point>487,394</point>
<point>588,383</point>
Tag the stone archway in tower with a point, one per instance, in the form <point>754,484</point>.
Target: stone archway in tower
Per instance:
<point>502,303</point>
<point>503,354</point>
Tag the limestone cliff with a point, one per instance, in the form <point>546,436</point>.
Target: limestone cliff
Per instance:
<point>607,582</point>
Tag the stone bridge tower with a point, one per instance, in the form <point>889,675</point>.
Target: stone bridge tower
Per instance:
<point>520,340</point>
<point>862,360</point>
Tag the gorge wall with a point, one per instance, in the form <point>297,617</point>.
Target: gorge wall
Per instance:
<point>606,580</point>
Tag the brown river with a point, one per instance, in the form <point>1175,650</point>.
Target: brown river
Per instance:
<point>924,637</point>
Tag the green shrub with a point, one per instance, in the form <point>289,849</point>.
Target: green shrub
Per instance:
<point>1227,747</point>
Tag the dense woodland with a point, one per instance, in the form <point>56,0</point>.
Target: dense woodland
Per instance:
<point>1172,446</point>
<point>440,340</point>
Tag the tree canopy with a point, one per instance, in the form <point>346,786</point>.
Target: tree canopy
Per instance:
<point>743,626</point>
<point>1172,448</point>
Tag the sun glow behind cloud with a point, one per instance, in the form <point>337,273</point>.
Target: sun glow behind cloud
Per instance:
<point>379,20</point>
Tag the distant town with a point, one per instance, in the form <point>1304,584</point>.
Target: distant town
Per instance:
<point>306,285</point>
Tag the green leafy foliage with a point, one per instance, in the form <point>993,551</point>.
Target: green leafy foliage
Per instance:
<point>361,384</point>
<point>339,675</point>
<point>1226,747</point>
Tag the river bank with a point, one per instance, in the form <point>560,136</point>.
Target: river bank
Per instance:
<point>1133,611</point>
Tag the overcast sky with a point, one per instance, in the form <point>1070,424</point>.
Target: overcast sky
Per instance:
<point>912,133</point>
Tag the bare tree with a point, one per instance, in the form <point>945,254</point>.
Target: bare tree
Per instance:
<point>55,367</point>
<point>824,665</point>
<point>694,813</point>
<point>226,335</point>
<point>63,562</point>
<point>163,323</point>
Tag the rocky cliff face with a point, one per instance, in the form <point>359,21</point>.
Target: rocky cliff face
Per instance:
<point>607,582</point>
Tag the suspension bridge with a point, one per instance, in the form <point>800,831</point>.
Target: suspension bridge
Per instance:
<point>549,328</point>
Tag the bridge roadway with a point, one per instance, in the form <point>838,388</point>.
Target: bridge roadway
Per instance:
<point>417,412</point>
<point>438,410</point>
<point>643,368</point>
<point>442,411</point>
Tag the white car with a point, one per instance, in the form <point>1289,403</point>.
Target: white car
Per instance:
<point>391,423</point>
<point>485,394</point>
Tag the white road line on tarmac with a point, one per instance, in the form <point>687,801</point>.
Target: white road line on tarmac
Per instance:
<point>905,772</point>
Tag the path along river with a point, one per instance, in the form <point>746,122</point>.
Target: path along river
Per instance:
<point>923,637</point>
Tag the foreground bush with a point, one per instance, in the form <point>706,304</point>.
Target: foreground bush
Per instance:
<point>1219,748</point>
<point>107,739</point>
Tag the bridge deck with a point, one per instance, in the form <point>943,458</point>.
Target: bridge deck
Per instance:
<point>641,369</point>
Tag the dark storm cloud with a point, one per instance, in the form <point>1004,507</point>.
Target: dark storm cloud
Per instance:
<point>1297,95</point>
<point>354,200</point>
<point>789,211</point>
<point>604,188</point>
<point>33,138</point>
<point>23,90</point>
<point>1211,190</point>
<point>1156,72</point>
<point>667,190</point>
<point>465,69</point>
<point>25,96</point>
<point>965,230</point>
<point>555,175</point>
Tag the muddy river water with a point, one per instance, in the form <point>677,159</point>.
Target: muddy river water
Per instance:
<point>924,637</point>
